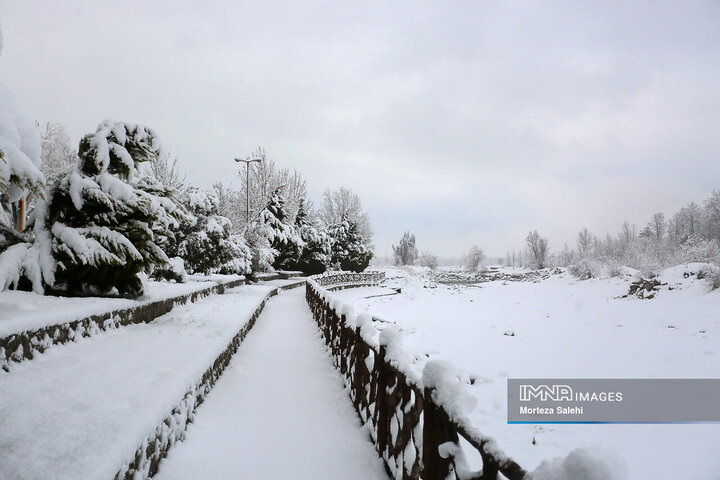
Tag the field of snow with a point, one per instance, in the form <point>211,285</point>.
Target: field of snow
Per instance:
<point>558,328</point>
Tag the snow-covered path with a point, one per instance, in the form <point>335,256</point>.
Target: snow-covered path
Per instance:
<point>278,411</point>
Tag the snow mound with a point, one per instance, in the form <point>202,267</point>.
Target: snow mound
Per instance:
<point>684,275</point>
<point>582,464</point>
<point>699,277</point>
<point>449,392</point>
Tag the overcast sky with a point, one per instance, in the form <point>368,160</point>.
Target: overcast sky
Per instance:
<point>464,122</point>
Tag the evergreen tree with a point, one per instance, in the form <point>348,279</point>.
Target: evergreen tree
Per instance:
<point>263,255</point>
<point>349,251</point>
<point>283,237</point>
<point>106,219</point>
<point>205,243</point>
<point>315,256</point>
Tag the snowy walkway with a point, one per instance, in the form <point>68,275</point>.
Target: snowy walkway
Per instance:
<point>278,411</point>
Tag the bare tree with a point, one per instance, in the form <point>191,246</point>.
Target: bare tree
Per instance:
<point>567,256</point>
<point>711,214</point>
<point>229,206</point>
<point>693,214</point>
<point>656,227</point>
<point>166,171</point>
<point>429,260</point>
<point>472,261</point>
<point>537,250</point>
<point>344,201</point>
<point>265,178</point>
<point>57,154</point>
<point>585,243</point>
<point>628,232</point>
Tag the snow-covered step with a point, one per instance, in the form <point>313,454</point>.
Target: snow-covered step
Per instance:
<point>101,407</point>
<point>31,323</point>
<point>279,411</point>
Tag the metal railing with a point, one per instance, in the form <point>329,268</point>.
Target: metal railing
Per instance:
<point>415,435</point>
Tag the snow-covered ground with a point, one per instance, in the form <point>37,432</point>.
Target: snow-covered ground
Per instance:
<point>279,411</point>
<point>22,311</point>
<point>558,328</point>
<point>284,282</point>
<point>80,411</point>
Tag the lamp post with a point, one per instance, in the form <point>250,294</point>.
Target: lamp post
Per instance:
<point>247,178</point>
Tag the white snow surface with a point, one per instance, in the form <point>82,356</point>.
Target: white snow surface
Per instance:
<point>284,282</point>
<point>352,295</point>
<point>23,311</point>
<point>565,328</point>
<point>279,411</point>
<point>80,411</point>
<point>582,464</point>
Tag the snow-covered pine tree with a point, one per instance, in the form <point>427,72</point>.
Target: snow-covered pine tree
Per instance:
<point>106,219</point>
<point>283,237</point>
<point>206,244</point>
<point>315,256</point>
<point>263,255</point>
<point>349,251</point>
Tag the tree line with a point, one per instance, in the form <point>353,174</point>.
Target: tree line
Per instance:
<point>692,234</point>
<point>103,218</point>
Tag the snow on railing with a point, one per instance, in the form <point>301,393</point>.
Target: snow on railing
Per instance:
<point>415,421</point>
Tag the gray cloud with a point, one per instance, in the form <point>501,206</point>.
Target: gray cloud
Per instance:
<point>469,122</point>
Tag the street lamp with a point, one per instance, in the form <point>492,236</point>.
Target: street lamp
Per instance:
<point>247,177</point>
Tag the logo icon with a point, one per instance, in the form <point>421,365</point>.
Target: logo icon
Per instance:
<point>543,393</point>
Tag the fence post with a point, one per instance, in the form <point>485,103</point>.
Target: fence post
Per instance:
<point>490,466</point>
<point>437,429</point>
<point>343,348</point>
<point>381,407</point>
